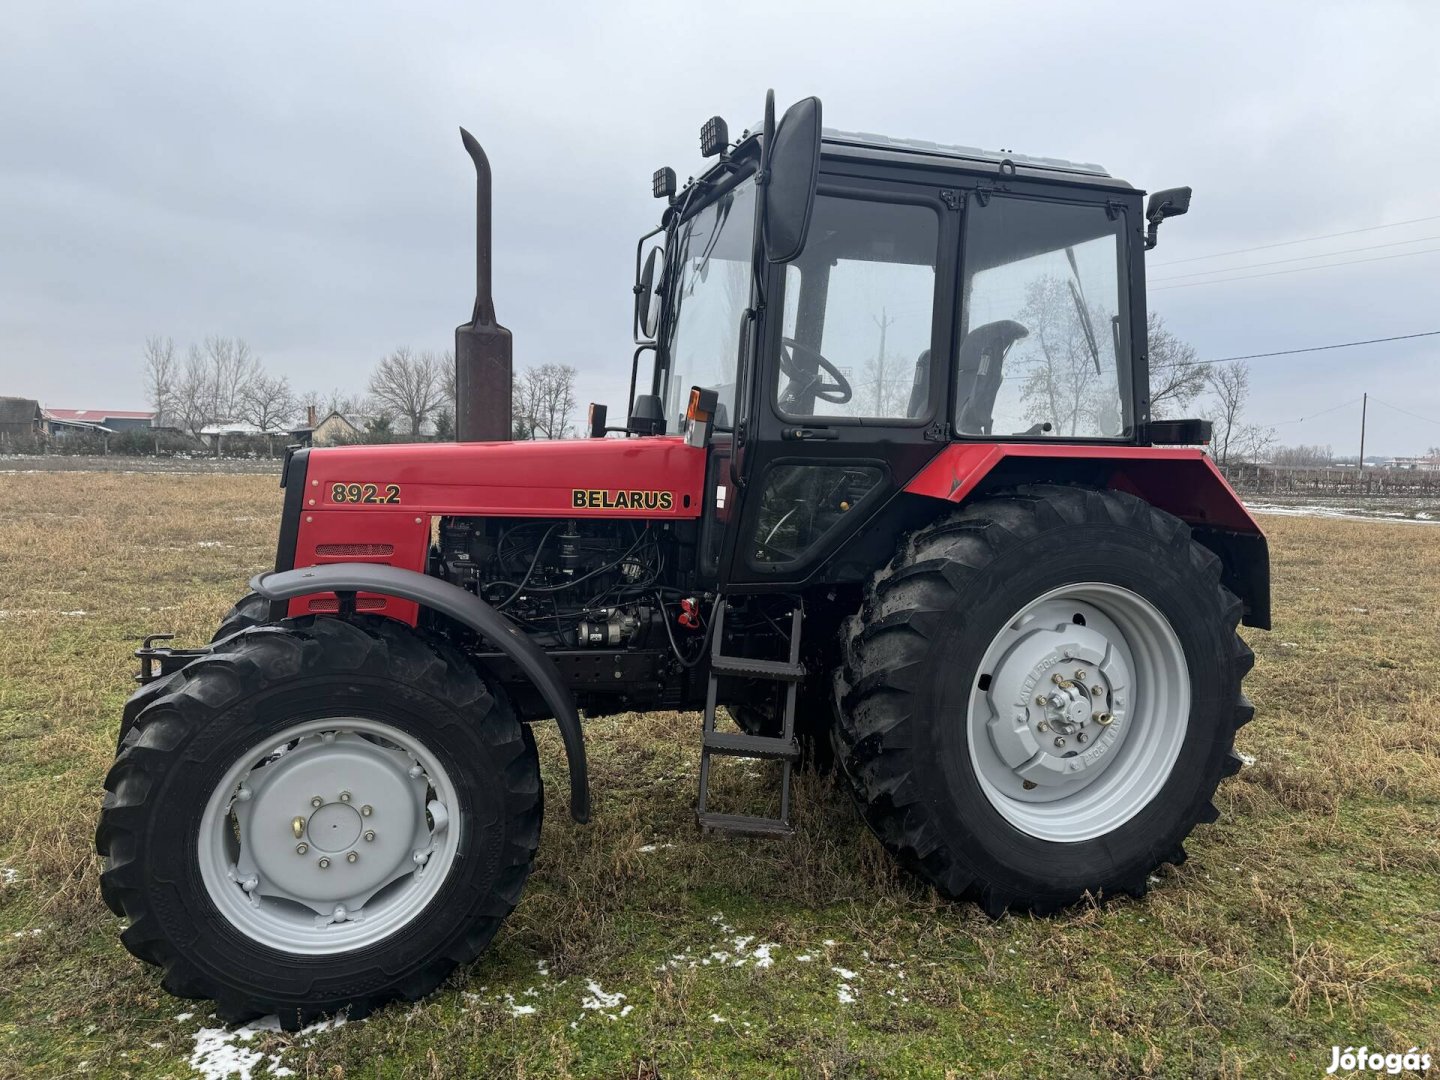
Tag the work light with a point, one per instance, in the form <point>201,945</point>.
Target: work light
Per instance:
<point>714,137</point>
<point>663,183</point>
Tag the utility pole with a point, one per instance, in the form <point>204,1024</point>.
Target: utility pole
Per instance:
<point>1364,404</point>
<point>880,373</point>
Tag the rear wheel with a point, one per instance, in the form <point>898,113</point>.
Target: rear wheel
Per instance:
<point>1040,697</point>
<point>319,818</point>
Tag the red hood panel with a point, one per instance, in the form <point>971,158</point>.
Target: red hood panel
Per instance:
<point>654,477</point>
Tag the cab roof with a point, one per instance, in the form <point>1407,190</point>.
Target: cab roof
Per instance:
<point>866,146</point>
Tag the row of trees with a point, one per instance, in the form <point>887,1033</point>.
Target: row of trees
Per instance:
<point>222,381</point>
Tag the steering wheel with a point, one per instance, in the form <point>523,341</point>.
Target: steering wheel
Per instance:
<point>803,381</point>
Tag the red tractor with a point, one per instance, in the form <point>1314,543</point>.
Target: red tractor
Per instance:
<point>889,491</point>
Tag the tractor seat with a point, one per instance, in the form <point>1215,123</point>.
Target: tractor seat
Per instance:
<point>979,370</point>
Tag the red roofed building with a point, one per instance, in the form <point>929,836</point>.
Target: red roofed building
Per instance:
<point>67,421</point>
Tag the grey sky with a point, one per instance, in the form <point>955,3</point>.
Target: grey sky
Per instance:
<point>292,173</point>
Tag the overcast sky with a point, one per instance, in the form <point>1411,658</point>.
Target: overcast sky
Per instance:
<point>292,174</point>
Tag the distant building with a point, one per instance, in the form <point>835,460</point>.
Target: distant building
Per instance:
<point>60,421</point>
<point>20,419</point>
<point>1419,464</point>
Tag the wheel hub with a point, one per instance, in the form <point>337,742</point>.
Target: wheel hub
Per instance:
<point>331,820</point>
<point>1057,701</point>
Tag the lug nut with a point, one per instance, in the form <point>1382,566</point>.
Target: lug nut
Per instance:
<point>1042,726</point>
<point>1080,674</point>
<point>352,856</point>
<point>301,849</point>
<point>1039,699</point>
<point>324,864</point>
<point>369,834</point>
<point>1057,678</point>
<point>1059,741</point>
<point>367,810</point>
<point>1097,690</point>
<point>317,801</point>
<point>1082,737</point>
<point>344,796</point>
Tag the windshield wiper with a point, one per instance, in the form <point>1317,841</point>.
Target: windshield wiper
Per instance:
<point>722,215</point>
<point>1077,294</point>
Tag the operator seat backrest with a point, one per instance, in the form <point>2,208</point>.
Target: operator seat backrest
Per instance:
<point>979,370</point>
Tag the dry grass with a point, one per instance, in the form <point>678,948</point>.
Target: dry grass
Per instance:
<point>1310,915</point>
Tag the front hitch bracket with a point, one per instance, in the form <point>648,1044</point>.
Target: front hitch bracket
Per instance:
<point>157,661</point>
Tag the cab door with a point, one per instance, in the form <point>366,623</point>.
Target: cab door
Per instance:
<point>849,389</point>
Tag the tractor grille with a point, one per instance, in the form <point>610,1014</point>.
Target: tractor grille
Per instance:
<point>353,551</point>
<point>362,603</point>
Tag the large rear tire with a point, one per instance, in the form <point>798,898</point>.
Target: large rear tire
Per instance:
<point>319,818</point>
<point>1040,697</point>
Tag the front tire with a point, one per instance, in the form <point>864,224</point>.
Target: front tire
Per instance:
<point>1040,697</point>
<point>319,818</point>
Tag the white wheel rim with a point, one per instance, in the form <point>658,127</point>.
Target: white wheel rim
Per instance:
<point>331,836</point>
<point>1079,712</point>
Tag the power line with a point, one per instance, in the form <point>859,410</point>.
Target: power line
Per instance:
<point>1323,348</point>
<point>1313,416</point>
<point>1407,412</point>
<point>1297,258</point>
<point>1298,269</point>
<point>1302,240</point>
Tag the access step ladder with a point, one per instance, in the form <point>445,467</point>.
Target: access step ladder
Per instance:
<point>782,748</point>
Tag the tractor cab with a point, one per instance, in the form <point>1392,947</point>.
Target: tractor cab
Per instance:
<point>853,302</point>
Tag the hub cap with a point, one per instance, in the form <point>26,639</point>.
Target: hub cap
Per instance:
<point>1079,713</point>
<point>330,837</point>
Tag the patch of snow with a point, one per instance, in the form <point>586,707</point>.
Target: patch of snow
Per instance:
<point>1246,760</point>
<point>845,994</point>
<point>543,967</point>
<point>209,543</point>
<point>716,1018</point>
<point>9,875</point>
<point>846,975</point>
<point>804,958</point>
<point>1345,513</point>
<point>221,1053</point>
<point>599,1000</point>
<point>182,1017</point>
<point>648,848</point>
<point>828,943</point>
<point>27,933</point>
<point>75,614</point>
<point>1289,645</point>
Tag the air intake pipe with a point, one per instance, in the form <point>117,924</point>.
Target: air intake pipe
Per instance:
<point>483,372</point>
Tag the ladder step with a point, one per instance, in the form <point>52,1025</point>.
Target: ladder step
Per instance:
<point>744,825</point>
<point>738,744</point>
<point>779,670</point>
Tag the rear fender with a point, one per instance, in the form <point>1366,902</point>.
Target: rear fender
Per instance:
<point>1178,480</point>
<point>466,609</point>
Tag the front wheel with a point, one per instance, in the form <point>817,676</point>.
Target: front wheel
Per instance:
<point>1041,695</point>
<point>319,818</point>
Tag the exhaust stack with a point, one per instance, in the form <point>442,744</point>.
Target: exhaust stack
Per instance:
<point>483,374</point>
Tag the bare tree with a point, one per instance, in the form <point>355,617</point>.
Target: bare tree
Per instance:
<point>1230,384</point>
<point>193,400</point>
<point>1176,376</point>
<point>162,371</point>
<point>268,403</point>
<point>1253,442</point>
<point>409,385</point>
<point>231,368</point>
<point>445,414</point>
<point>543,402</point>
<point>1302,456</point>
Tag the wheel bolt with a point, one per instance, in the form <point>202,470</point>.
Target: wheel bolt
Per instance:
<point>344,796</point>
<point>1042,726</point>
<point>317,801</point>
<point>301,849</point>
<point>324,864</point>
<point>352,856</point>
<point>367,810</point>
<point>1057,678</point>
<point>1080,674</point>
<point>1039,699</point>
<point>1082,737</point>
<point>1097,690</point>
<point>369,834</point>
<point>1059,740</point>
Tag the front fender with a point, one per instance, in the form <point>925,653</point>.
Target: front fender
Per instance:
<point>466,609</point>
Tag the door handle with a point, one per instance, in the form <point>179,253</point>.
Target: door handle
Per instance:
<point>805,434</point>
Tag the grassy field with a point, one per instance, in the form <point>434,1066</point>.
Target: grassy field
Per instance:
<point>1308,916</point>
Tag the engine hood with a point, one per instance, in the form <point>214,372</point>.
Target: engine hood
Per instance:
<point>652,477</point>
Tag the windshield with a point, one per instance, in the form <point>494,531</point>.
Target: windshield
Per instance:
<point>708,294</point>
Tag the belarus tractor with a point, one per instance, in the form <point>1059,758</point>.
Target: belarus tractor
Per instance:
<point>889,496</point>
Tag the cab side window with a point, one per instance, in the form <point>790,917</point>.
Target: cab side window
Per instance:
<point>1043,341</point>
<point>859,310</point>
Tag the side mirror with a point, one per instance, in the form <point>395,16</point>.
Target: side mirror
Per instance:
<point>647,294</point>
<point>794,167</point>
<point>598,414</point>
<point>1172,202</point>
